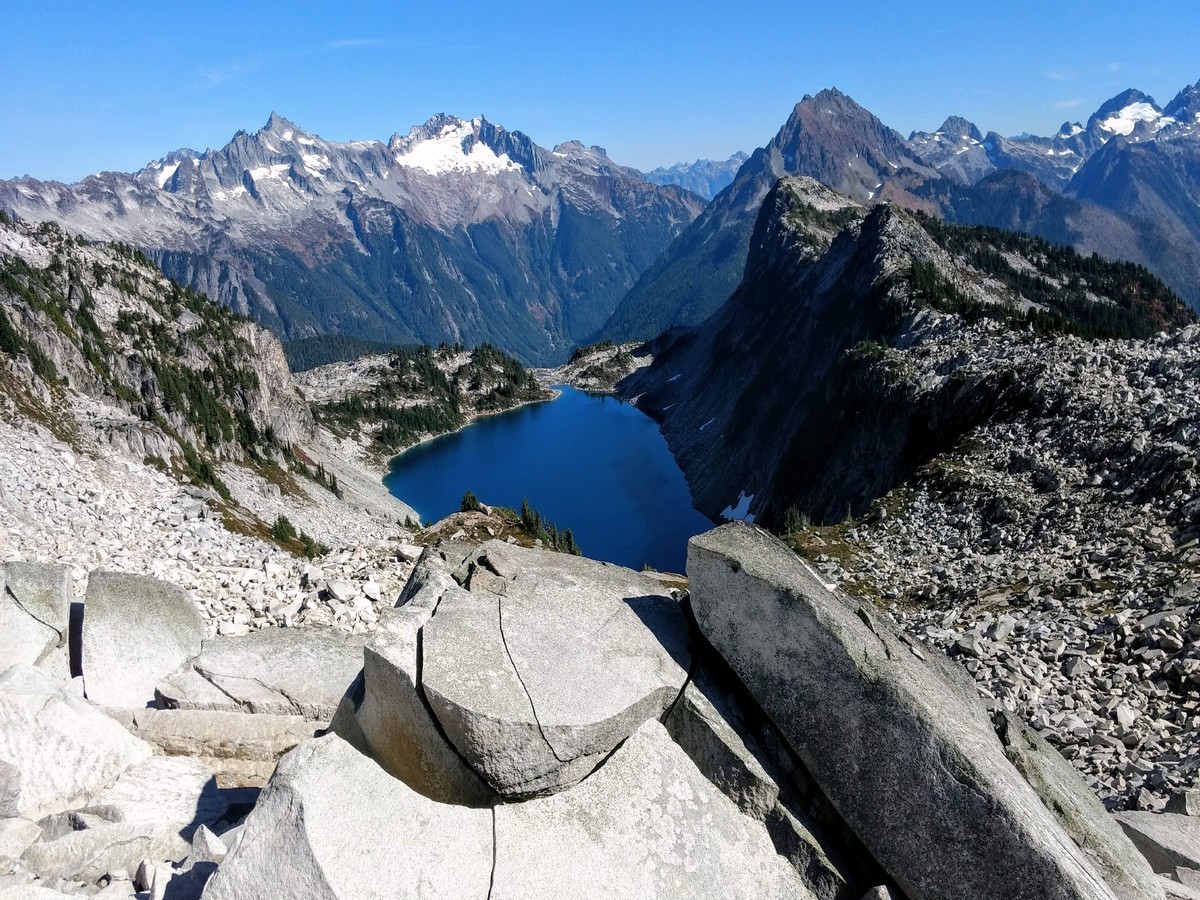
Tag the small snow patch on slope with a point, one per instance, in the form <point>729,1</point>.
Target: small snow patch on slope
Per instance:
<point>274,171</point>
<point>741,510</point>
<point>165,175</point>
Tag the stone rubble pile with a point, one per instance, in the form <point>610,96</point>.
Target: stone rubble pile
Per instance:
<point>107,511</point>
<point>1057,554</point>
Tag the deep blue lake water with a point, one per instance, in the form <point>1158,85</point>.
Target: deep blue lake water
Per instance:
<point>591,464</point>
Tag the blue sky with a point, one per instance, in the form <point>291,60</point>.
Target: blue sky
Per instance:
<point>86,86</point>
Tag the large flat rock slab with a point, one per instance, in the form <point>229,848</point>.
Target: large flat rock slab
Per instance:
<point>275,671</point>
<point>1167,840</point>
<point>545,662</point>
<point>1077,808</point>
<point>35,607</point>
<point>647,824</point>
<point>136,631</point>
<point>214,735</point>
<point>894,735</point>
<point>56,751</point>
<point>332,825</point>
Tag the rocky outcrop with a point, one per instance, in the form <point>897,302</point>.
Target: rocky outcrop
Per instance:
<point>863,301</point>
<point>504,730</point>
<point>281,671</point>
<point>947,814</point>
<point>56,750</point>
<point>137,630</point>
<point>505,658</point>
<point>308,836</point>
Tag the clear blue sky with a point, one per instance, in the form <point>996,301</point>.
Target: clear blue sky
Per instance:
<point>86,86</point>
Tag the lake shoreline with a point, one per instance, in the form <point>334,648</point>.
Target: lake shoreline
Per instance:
<point>590,462</point>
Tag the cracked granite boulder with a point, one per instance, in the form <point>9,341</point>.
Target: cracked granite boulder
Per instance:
<point>385,712</point>
<point>542,663</point>
<point>34,610</point>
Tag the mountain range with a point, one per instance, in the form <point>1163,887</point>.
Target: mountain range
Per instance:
<point>703,177</point>
<point>461,231</point>
<point>458,231</point>
<point>1125,186</point>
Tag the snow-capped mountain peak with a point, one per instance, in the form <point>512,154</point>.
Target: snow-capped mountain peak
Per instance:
<point>1125,120</point>
<point>449,144</point>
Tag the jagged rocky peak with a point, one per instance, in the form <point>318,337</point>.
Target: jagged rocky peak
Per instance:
<point>955,129</point>
<point>956,150</point>
<point>1186,105</point>
<point>958,128</point>
<point>835,140</point>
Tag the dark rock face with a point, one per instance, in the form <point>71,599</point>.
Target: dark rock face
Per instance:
<point>828,137</point>
<point>460,231</point>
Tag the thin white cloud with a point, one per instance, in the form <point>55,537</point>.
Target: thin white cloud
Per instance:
<point>1114,67</point>
<point>1060,75</point>
<point>220,74</point>
<point>1067,104</point>
<point>356,42</point>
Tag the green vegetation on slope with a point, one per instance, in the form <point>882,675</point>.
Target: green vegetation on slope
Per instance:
<point>1074,294</point>
<point>426,391</point>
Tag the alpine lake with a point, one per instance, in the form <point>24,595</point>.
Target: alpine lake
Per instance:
<point>594,464</point>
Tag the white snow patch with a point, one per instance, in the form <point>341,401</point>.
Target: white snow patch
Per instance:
<point>1126,120</point>
<point>287,135</point>
<point>231,194</point>
<point>273,171</point>
<point>709,422</point>
<point>165,175</point>
<point>739,510</point>
<point>444,153</point>
<point>674,378</point>
<point>315,162</point>
<point>668,406</point>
